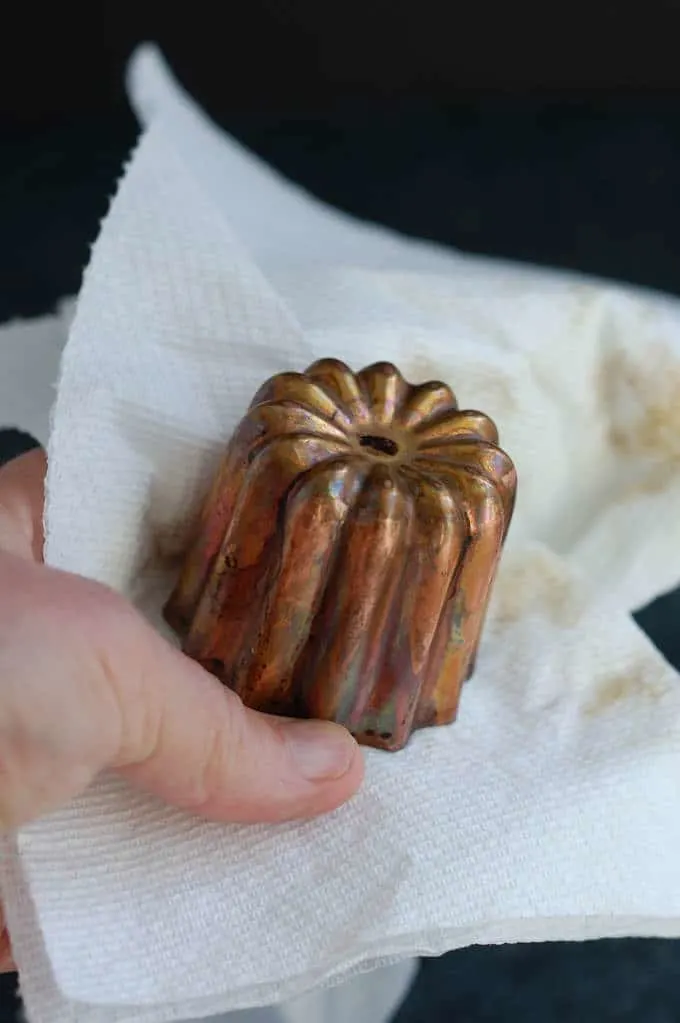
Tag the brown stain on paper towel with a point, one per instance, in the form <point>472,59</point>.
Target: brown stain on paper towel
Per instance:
<point>641,401</point>
<point>537,583</point>
<point>630,684</point>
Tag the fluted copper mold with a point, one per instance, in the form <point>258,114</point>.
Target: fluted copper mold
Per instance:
<point>344,556</point>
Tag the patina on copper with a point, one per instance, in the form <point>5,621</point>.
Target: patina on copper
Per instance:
<point>343,559</point>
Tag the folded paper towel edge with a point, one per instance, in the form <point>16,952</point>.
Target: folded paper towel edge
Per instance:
<point>69,310</point>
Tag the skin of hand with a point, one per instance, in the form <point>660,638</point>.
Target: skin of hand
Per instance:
<point>87,685</point>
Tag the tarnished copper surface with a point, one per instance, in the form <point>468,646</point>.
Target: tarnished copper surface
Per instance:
<point>343,560</point>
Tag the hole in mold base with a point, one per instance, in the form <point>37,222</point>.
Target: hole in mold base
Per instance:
<point>379,445</point>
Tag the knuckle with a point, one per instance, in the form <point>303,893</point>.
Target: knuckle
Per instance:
<point>214,777</point>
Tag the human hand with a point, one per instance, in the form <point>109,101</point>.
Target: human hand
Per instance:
<point>86,685</point>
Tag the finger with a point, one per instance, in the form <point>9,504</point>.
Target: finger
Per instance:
<point>88,684</point>
<point>22,484</point>
<point>202,750</point>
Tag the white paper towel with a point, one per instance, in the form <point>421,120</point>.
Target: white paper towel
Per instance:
<point>551,809</point>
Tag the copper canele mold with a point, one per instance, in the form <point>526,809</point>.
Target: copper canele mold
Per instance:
<point>343,559</point>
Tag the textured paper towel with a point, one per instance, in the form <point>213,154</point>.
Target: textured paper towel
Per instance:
<point>552,808</point>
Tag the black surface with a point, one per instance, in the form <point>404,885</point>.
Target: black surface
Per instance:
<point>306,54</point>
<point>623,981</point>
<point>589,185</point>
<point>9,1003</point>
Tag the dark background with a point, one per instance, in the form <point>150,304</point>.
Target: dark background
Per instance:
<point>543,133</point>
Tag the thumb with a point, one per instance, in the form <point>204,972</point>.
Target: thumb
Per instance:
<point>86,684</point>
<point>197,747</point>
